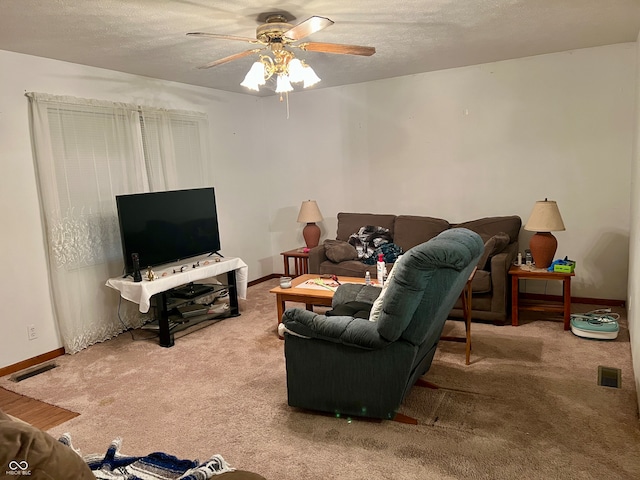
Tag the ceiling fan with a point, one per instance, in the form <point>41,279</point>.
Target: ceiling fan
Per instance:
<point>276,33</point>
<point>277,36</point>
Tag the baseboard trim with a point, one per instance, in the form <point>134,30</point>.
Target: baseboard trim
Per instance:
<point>30,362</point>
<point>263,279</point>
<point>558,298</point>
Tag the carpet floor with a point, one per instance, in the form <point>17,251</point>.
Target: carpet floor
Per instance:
<point>527,407</point>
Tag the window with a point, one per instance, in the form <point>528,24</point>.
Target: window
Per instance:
<point>87,152</point>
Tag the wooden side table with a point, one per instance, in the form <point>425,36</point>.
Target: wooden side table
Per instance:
<point>540,274</point>
<point>300,262</point>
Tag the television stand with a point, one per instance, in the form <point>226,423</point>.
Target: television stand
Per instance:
<point>160,291</point>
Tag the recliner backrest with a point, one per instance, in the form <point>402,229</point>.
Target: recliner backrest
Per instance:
<point>426,283</point>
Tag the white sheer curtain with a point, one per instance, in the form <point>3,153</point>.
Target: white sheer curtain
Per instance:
<point>87,152</point>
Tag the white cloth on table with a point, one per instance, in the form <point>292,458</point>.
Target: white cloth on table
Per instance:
<point>141,292</point>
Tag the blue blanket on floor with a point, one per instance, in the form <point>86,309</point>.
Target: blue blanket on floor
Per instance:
<point>157,465</point>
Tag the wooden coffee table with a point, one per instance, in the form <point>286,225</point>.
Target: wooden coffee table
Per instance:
<point>308,296</point>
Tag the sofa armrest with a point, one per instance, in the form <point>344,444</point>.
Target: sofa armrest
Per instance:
<point>350,331</point>
<point>500,265</point>
<point>317,255</point>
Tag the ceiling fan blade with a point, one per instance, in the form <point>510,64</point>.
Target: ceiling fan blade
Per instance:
<point>223,37</point>
<point>230,58</point>
<point>306,28</point>
<point>337,48</point>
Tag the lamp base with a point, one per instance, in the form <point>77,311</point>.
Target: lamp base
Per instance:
<point>311,234</point>
<point>543,247</point>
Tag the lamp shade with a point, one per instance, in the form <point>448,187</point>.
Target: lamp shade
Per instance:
<point>310,76</point>
<point>545,217</point>
<point>296,73</point>
<point>254,77</point>
<point>309,214</point>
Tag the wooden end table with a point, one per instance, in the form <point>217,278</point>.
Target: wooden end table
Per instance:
<point>300,261</point>
<point>533,273</point>
<point>308,296</point>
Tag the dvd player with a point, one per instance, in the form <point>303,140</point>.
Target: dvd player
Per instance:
<point>188,311</point>
<point>190,291</point>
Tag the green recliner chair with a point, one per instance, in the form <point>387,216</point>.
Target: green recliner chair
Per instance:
<point>365,367</point>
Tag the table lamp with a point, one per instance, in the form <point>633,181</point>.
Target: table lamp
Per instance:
<point>310,214</point>
<point>544,219</point>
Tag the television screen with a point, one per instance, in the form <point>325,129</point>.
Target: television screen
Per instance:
<point>165,227</point>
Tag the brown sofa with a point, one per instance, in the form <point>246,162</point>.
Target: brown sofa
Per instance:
<point>490,287</point>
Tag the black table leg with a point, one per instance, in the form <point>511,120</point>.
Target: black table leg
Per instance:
<point>233,293</point>
<point>165,337</point>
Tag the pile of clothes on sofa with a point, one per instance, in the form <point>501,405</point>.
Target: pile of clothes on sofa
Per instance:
<point>371,241</point>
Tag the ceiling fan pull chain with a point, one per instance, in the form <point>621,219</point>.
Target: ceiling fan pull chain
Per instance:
<point>287,94</point>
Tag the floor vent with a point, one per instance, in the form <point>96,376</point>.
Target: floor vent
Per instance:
<point>609,377</point>
<point>32,372</point>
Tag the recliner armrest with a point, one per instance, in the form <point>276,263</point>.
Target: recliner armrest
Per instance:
<point>355,292</point>
<point>355,332</point>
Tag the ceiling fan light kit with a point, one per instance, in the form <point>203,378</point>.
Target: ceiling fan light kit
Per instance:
<point>275,35</point>
<point>286,67</point>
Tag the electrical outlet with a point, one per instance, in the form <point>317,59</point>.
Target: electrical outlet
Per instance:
<point>31,331</point>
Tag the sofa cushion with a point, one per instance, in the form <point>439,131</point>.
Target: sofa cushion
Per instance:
<point>411,230</point>
<point>349,223</point>
<point>492,247</point>
<point>46,457</point>
<point>350,268</point>
<point>489,226</point>
<point>338,251</point>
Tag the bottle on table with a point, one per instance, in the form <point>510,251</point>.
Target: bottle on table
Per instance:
<point>380,268</point>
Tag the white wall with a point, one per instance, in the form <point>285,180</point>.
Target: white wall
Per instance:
<point>633,296</point>
<point>477,141</point>
<point>240,187</point>
<point>456,144</point>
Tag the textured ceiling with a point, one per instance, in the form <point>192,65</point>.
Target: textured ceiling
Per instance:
<point>147,37</point>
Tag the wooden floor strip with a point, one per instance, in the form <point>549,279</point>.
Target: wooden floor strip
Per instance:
<point>37,413</point>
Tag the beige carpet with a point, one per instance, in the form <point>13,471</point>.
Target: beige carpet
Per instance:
<point>528,407</point>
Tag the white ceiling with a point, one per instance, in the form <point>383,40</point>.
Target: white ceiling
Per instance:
<point>147,37</point>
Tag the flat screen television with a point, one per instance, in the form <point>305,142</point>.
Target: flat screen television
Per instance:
<point>166,227</point>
